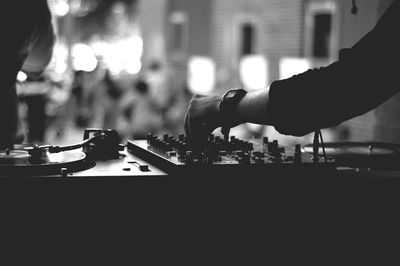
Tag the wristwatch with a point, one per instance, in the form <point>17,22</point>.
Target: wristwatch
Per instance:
<point>228,108</point>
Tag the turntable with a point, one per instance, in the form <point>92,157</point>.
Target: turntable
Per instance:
<point>362,155</point>
<point>100,154</point>
<point>229,156</point>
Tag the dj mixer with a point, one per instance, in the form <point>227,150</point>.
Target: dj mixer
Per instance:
<point>226,155</point>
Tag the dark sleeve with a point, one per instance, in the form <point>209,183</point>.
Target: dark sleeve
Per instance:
<point>42,42</point>
<point>365,76</point>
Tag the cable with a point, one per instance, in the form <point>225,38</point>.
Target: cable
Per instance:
<point>317,142</point>
<point>323,146</point>
<point>354,8</point>
<point>316,146</point>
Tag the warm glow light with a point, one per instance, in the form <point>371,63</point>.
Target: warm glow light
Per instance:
<point>201,75</point>
<point>83,58</point>
<point>134,49</point>
<point>290,66</point>
<point>58,64</point>
<point>21,77</point>
<point>59,8</point>
<point>136,46</point>
<point>100,48</point>
<point>60,67</point>
<point>122,56</point>
<point>254,72</point>
<point>133,67</point>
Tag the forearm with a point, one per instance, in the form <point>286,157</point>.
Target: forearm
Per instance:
<point>253,108</point>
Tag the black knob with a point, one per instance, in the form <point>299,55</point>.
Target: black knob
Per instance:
<point>297,153</point>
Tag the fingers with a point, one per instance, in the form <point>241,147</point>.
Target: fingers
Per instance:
<point>196,132</point>
<point>199,121</point>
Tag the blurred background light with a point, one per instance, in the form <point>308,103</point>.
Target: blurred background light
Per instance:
<point>122,55</point>
<point>289,66</point>
<point>83,58</point>
<point>21,77</point>
<point>253,72</point>
<point>201,75</point>
<point>60,58</point>
<point>59,8</point>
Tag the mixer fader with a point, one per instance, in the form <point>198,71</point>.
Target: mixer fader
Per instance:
<point>228,155</point>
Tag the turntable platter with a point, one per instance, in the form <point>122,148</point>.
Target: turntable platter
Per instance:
<point>13,157</point>
<point>374,155</point>
<point>16,162</point>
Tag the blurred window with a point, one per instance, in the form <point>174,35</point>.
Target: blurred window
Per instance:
<point>179,32</point>
<point>320,29</point>
<point>247,39</point>
<point>321,36</point>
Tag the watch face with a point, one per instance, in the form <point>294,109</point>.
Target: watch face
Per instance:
<point>230,94</point>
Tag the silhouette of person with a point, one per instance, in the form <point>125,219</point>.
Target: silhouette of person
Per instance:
<point>35,96</point>
<point>363,77</point>
<point>27,45</point>
<point>141,111</point>
<point>113,93</point>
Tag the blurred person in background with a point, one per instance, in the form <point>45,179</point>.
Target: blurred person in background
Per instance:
<point>157,78</point>
<point>27,46</point>
<point>113,93</point>
<point>34,94</point>
<point>141,113</point>
<point>81,100</point>
<point>364,77</point>
<point>178,105</point>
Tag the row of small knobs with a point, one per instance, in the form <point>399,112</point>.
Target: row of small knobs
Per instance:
<point>167,143</point>
<point>274,150</point>
<point>215,145</point>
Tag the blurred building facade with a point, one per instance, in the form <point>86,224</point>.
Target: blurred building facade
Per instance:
<point>245,39</point>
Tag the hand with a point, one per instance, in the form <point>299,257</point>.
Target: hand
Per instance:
<point>201,119</point>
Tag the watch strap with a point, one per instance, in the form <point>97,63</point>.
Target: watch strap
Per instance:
<point>228,108</point>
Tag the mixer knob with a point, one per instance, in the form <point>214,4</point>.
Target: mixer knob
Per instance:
<point>171,139</point>
<point>149,138</point>
<point>181,137</point>
<point>189,157</point>
<point>265,144</point>
<point>182,149</point>
<point>250,146</point>
<point>167,147</point>
<point>275,143</point>
<point>165,137</point>
<point>226,138</point>
<point>273,148</point>
<point>239,153</point>
<point>258,154</point>
<point>297,153</point>
<point>244,158</point>
<point>259,160</point>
